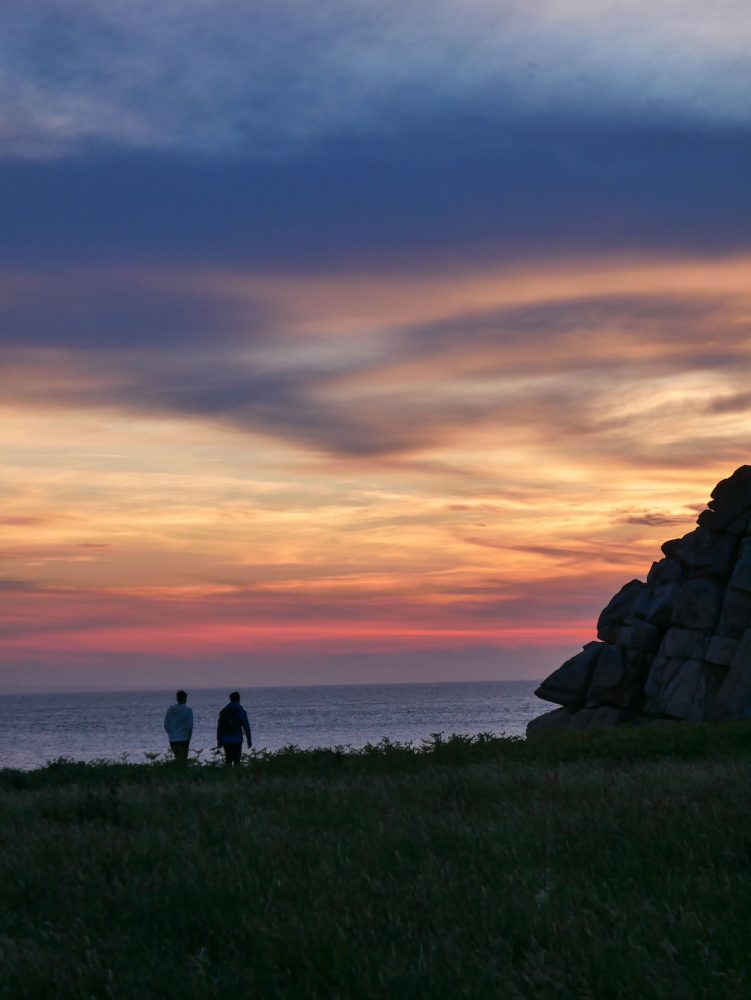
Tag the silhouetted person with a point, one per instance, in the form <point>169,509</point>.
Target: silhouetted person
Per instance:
<point>178,722</point>
<point>232,723</point>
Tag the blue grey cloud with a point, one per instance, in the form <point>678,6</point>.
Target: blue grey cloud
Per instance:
<point>121,310</point>
<point>462,187</point>
<point>262,77</point>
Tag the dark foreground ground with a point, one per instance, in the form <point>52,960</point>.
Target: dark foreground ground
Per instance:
<point>598,865</point>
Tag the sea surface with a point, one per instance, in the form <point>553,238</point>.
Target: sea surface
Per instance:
<point>117,725</point>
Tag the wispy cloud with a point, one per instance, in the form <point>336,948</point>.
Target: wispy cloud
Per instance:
<point>266,75</point>
<point>27,520</point>
<point>385,368</point>
<point>653,519</point>
<point>738,402</point>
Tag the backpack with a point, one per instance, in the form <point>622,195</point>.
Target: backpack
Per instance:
<point>230,723</point>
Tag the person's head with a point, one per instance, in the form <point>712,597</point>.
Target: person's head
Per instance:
<point>181,697</point>
<point>234,696</point>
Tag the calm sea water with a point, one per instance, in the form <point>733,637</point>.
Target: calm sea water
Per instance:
<point>36,728</point>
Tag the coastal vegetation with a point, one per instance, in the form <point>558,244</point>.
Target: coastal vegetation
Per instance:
<point>598,864</point>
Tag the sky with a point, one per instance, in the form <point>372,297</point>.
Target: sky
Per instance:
<point>353,342</point>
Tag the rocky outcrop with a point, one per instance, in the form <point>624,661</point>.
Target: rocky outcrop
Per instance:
<point>676,646</point>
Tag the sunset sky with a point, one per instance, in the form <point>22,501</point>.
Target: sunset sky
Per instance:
<point>359,341</point>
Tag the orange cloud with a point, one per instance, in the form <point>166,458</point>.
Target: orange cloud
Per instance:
<point>394,462</point>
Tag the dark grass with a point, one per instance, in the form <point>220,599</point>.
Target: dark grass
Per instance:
<point>612,864</point>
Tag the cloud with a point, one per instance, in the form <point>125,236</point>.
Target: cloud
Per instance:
<point>11,586</point>
<point>738,402</point>
<point>427,195</point>
<point>39,554</point>
<point>28,520</point>
<point>653,519</point>
<point>228,75</point>
<point>581,552</point>
<point>391,367</point>
<point>128,308</point>
<point>42,619</point>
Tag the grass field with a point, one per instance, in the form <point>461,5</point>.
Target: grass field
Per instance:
<point>599,865</point>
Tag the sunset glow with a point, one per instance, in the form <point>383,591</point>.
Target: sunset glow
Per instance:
<point>365,387</point>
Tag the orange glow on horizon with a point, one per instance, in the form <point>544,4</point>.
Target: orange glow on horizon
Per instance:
<point>490,487</point>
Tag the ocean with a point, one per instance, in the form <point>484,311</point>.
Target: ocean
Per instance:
<point>127,725</point>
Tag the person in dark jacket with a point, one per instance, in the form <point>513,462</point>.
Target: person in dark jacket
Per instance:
<point>232,723</point>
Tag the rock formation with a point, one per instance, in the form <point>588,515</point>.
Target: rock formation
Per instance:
<point>677,646</point>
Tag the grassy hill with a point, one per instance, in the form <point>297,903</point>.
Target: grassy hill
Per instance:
<point>602,865</point>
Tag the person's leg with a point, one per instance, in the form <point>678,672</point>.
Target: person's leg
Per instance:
<point>180,750</point>
<point>233,752</point>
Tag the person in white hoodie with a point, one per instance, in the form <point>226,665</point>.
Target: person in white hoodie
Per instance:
<point>178,723</point>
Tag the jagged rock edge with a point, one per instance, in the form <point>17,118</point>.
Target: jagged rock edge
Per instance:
<point>676,646</point>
